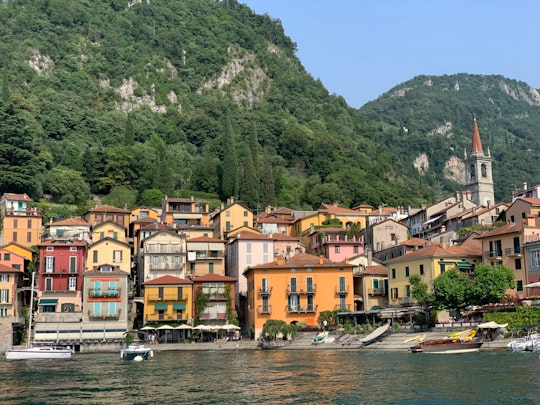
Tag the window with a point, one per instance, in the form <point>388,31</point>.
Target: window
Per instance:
<point>7,256</point>
<point>72,284</point>
<point>337,249</point>
<point>248,247</point>
<point>113,287</point>
<point>264,285</point>
<point>3,312</point>
<point>95,256</point>
<point>407,290</point>
<point>15,223</point>
<point>393,273</point>
<point>29,224</point>
<point>472,172</point>
<point>375,282</point>
<point>309,284</point>
<point>535,258</point>
<point>406,271</point>
<point>355,249</point>
<point>160,293</point>
<point>97,308</point>
<point>342,286</point>
<point>483,169</point>
<point>495,248</point>
<point>517,247</point>
<point>245,213</point>
<point>29,236</point>
<point>117,256</point>
<point>192,267</point>
<point>112,309</point>
<point>394,294</point>
<point>68,308</point>
<point>293,303</point>
<point>519,285</point>
<point>293,285</point>
<point>421,269</point>
<point>4,278</point>
<point>342,302</point>
<point>210,267</point>
<point>48,284</point>
<point>180,296</point>
<point>49,264</point>
<point>227,213</point>
<point>73,264</point>
<point>4,296</point>
<point>265,307</point>
<point>227,226</point>
<point>442,267</point>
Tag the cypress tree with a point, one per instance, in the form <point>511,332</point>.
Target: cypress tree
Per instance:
<point>230,182</point>
<point>249,189</point>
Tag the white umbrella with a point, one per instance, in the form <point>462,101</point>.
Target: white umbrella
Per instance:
<point>229,326</point>
<point>537,284</point>
<point>147,328</point>
<point>162,327</point>
<point>203,327</point>
<point>183,326</point>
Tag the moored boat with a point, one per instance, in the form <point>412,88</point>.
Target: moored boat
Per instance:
<point>44,352</point>
<point>447,345</point>
<point>136,351</point>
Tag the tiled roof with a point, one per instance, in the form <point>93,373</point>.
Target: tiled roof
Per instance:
<point>335,209</point>
<point>17,197</point>
<point>505,229</point>
<point>533,201</point>
<point>247,235</point>
<point>212,278</point>
<point>167,280</point>
<point>206,239</point>
<point>6,269</point>
<point>63,242</point>
<point>301,260</point>
<point>109,208</point>
<point>376,271</point>
<point>438,251</point>
<point>476,142</point>
<point>74,221</point>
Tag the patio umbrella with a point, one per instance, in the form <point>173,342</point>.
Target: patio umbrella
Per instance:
<point>147,328</point>
<point>536,284</point>
<point>229,327</point>
<point>165,328</point>
<point>184,327</point>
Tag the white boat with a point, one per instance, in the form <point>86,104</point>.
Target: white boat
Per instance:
<point>45,352</point>
<point>136,351</point>
<point>375,336</point>
<point>528,343</point>
<point>38,352</point>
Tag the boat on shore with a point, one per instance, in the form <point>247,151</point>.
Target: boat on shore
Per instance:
<point>461,342</point>
<point>376,335</point>
<point>136,351</point>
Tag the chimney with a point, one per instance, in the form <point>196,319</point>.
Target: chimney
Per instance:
<point>280,261</point>
<point>443,244</point>
<point>321,259</point>
<point>369,257</point>
<point>524,185</point>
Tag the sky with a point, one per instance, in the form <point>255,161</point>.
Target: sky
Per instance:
<point>360,49</point>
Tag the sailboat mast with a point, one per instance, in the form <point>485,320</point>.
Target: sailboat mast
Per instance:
<point>30,312</point>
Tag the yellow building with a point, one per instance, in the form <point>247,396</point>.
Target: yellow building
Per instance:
<point>109,230</point>
<point>234,216</point>
<point>19,249</point>
<point>108,213</point>
<point>297,290</point>
<point>429,263</point>
<point>109,251</point>
<point>20,224</point>
<point>168,299</point>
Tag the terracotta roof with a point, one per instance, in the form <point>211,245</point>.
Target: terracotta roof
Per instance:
<point>505,229</point>
<point>376,271</point>
<point>17,197</point>
<point>63,242</point>
<point>281,237</point>
<point>212,278</point>
<point>533,201</point>
<point>146,220</point>
<point>415,242</point>
<point>74,221</point>
<point>476,142</point>
<point>156,226</point>
<point>438,251</point>
<point>301,260</point>
<point>109,208</point>
<point>206,239</point>
<point>7,269</point>
<point>167,280</point>
<point>247,235</point>
<point>335,209</point>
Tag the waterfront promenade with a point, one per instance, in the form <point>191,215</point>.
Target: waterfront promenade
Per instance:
<point>303,341</point>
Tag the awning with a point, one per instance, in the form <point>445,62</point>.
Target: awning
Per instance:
<point>48,301</point>
<point>179,306</point>
<point>431,220</point>
<point>160,307</point>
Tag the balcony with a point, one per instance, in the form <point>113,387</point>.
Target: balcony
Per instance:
<point>165,317</point>
<point>98,293</point>
<point>264,309</point>
<point>104,317</point>
<point>210,255</point>
<point>513,252</point>
<point>265,291</point>
<point>166,297</point>
<point>376,291</point>
<point>300,309</point>
<point>213,316</point>
<point>492,256</point>
<point>303,289</point>
<point>166,267</point>
<point>60,292</point>
<point>60,271</point>
<point>342,307</point>
<point>406,301</point>
<point>342,290</point>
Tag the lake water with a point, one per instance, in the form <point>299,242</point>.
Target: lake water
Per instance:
<point>276,377</point>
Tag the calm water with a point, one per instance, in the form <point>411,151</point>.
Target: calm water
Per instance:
<point>284,377</point>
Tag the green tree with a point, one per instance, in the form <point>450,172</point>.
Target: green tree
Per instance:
<point>121,196</point>
<point>274,327</point>
<point>451,290</point>
<point>490,284</point>
<point>66,186</point>
<point>129,133</point>
<point>250,184</point>
<point>151,197</point>
<point>419,291</point>
<point>229,183</point>
<point>268,192</point>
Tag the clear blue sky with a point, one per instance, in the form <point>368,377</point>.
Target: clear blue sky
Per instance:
<point>360,49</point>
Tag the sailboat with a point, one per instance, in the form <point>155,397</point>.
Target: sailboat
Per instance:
<point>38,352</point>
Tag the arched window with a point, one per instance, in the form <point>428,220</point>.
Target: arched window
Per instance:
<point>483,170</point>
<point>472,172</point>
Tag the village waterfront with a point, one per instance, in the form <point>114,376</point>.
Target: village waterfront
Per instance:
<point>230,374</point>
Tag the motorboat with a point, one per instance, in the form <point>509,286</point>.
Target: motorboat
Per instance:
<point>376,335</point>
<point>528,343</point>
<point>136,351</point>
<point>43,352</point>
<point>461,342</point>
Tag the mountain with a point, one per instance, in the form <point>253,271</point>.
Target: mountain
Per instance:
<point>134,100</point>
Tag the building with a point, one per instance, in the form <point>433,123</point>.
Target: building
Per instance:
<point>182,212</point>
<point>20,223</point>
<point>335,244</point>
<point>382,235</point>
<point>297,290</point>
<point>108,213</point>
<point>478,175</point>
<point>205,256</point>
<point>76,228</point>
<point>233,216</point>
<point>168,299</point>
<point>219,294</point>
<point>163,253</point>
<point>278,220</point>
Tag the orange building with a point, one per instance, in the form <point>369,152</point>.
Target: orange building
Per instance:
<point>20,224</point>
<point>297,290</point>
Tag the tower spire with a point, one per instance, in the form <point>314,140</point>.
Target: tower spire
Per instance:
<point>476,142</point>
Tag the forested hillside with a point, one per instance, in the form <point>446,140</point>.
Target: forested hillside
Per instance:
<point>130,102</point>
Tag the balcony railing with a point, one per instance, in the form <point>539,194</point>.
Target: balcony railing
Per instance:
<point>376,291</point>
<point>303,289</point>
<point>57,270</point>
<point>164,317</point>
<point>342,307</point>
<point>495,255</point>
<point>63,292</point>
<point>265,291</point>
<point>104,317</point>
<point>264,309</point>
<point>167,267</point>
<point>160,249</point>
<point>342,289</point>
<point>512,252</point>
<point>301,309</point>
<point>406,301</point>
<point>209,255</point>
<point>98,293</point>
<point>166,297</point>
<point>219,316</point>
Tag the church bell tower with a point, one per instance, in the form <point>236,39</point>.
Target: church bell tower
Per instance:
<point>478,176</point>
